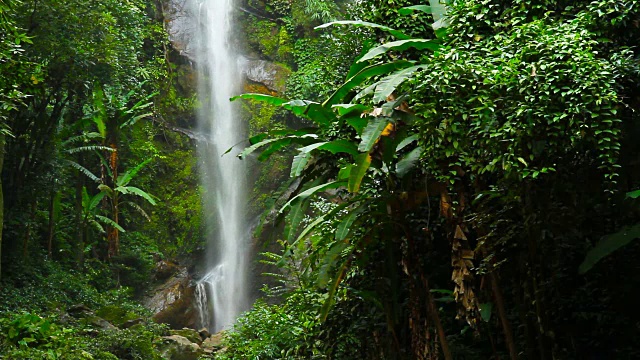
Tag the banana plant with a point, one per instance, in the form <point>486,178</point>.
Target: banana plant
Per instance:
<point>111,114</point>
<point>362,145</point>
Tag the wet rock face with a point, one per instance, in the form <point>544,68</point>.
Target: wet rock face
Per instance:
<point>269,74</point>
<point>181,27</point>
<point>172,302</point>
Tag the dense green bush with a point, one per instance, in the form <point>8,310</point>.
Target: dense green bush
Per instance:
<point>34,324</point>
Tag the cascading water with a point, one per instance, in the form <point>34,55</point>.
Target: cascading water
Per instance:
<point>222,294</point>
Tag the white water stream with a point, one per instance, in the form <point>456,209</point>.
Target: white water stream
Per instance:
<point>222,294</point>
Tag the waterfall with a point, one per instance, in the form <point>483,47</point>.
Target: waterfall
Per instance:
<point>222,294</point>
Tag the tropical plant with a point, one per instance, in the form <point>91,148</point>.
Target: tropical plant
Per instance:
<point>468,130</point>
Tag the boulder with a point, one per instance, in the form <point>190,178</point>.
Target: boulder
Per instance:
<point>270,74</point>
<point>172,302</point>
<point>165,269</point>
<point>191,334</point>
<point>130,323</point>
<point>214,342</point>
<point>85,315</point>
<point>204,333</point>
<point>176,347</point>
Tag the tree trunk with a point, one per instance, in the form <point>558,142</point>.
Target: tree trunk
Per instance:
<point>52,224</point>
<point>80,222</point>
<point>2,143</point>
<point>433,310</point>
<point>502,314</point>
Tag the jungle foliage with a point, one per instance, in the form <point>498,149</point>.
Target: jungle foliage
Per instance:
<point>88,98</point>
<point>450,188</point>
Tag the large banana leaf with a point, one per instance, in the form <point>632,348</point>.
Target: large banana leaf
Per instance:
<point>272,100</point>
<point>410,9</point>
<point>359,23</point>
<point>388,85</point>
<point>366,73</point>
<point>363,162</point>
<point>372,133</point>
<point>401,45</point>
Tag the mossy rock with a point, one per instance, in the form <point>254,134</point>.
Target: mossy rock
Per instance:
<point>115,314</point>
<point>191,334</point>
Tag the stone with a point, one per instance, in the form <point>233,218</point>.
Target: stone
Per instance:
<point>270,74</point>
<point>164,270</point>
<point>204,333</point>
<point>172,302</point>
<point>99,322</point>
<point>80,311</point>
<point>214,342</point>
<point>130,323</point>
<point>190,334</point>
<point>176,347</point>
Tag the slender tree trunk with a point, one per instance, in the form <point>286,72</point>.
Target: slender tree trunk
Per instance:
<point>502,313</point>
<point>2,143</point>
<point>79,222</point>
<point>433,310</point>
<point>27,237</point>
<point>52,224</point>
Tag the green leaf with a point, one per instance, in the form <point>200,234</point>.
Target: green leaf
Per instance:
<point>322,218</point>
<point>328,304</point>
<point>344,227</point>
<point>401,45</point>
<point>363,162</point>
<point>369,71</point>
<point>408,162</point>
<point>110,222</point>
<point>410,9</point>
<point>294,218</point>
<point>345,172</point>
<point>485,311</point>
<point>305,194</point>
<point>315,112</point>
<point>358,23</point>
<point>125,179</point>
<point>100,117</point>
<point>328,262</point>
<point>135,119</point>
<point>348,109</point>
<point>136,191</point>
<point>82,169</point>
<point>254,147</point>
<point>633,194</point>
<point>358,123</point>
<point>340,146</point>
<point>388,85</point>
<point>299,163</point>
<point>406,141</point>
<point>88,148</point>
<point>608,245</point>
<point>272,100</point>
<point>372,133</point>
<point>272,148</point>
<point>95,200</point>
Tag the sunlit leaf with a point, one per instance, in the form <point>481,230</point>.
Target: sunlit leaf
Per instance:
<point>272,100</point>
<point>372,132</point>
<point>363,162</point>
<point>388,85</point>
<point>299,163</point>
<point>358,23</point>
<point>366,73</point>
<point>410,9</point>
<point>401,45</point>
